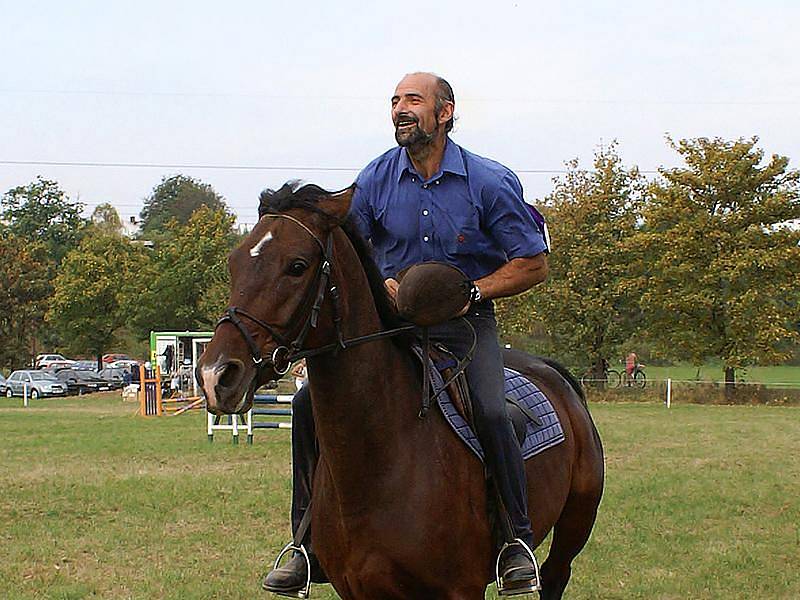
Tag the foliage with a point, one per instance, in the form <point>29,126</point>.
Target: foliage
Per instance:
<point>186,285</point>
<point>106,219</point>
<point>24,287</point>
<point>176,197</point>
<point>722,259</point>
<point>41,211</point>
<point>87,307</point>
<point>587,305</point>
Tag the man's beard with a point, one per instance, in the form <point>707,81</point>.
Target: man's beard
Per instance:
<point>416,139</point>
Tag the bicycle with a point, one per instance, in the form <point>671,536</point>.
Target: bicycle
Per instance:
<point>611,378</point>
<point>637,379</point>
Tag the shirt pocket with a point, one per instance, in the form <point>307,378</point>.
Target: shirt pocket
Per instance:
<point>462,233</point>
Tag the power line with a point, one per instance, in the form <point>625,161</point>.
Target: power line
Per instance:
<point>44,163</point>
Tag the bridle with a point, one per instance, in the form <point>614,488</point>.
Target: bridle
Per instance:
<point>291,351</point>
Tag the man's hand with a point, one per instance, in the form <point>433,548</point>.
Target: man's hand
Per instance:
<point>391,287</point>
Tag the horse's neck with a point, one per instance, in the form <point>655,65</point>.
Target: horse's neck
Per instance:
<point>364,396</point>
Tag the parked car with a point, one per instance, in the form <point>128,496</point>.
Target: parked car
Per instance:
<point>110,358</point>
<point>115,377</point>
<point>85,365</point>
<point>45,361</point>
<point>39,383</point>
<point>2,385</point>
<point>124,363</point>
<point>81,382</point>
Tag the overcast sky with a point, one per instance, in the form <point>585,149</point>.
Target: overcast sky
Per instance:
<point>285,90</point>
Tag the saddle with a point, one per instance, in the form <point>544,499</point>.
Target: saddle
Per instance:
<point>445,364</point>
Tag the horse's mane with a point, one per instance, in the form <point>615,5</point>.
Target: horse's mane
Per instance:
<point>294,195</point>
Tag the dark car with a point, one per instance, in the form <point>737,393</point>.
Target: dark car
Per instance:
<point>81,382</point>
<point>37,383</point>
<point>115,377</point>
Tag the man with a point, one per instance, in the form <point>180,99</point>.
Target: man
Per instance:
<point>430,200</point>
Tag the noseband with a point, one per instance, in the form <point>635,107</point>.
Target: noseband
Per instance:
<point>288,352</point>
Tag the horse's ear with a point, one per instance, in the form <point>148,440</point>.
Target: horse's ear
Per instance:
<point>337,204</point>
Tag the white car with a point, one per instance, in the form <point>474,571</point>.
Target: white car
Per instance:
<point>46,361</point>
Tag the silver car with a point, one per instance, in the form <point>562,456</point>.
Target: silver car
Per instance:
<point>39,384</point>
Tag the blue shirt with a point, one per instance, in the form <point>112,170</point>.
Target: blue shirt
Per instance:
<point>470,214</point>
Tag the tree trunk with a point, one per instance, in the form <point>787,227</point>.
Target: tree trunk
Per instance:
<point>730,380</point>
<point>599,374</point>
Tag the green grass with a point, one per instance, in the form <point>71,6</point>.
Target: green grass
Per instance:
<point>700,502</point>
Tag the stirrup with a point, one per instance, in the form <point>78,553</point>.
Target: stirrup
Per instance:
<point>528,587</point>
<point>302,592</point>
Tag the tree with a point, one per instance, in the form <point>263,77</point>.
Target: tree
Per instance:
<point>588,305</point>
<point>24,287</point>
<point>87,306</point>
<point>723,256</point>
<point>176,197</point>
<point>41,211</point>
<point>186,286</point>
<point>106,219</point>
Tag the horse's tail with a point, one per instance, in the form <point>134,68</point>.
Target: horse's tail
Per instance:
<point>565,373</point>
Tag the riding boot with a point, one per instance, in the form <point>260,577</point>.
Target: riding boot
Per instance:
<point>292,577</point>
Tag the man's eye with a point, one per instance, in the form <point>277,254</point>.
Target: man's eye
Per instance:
<point>297,268</point>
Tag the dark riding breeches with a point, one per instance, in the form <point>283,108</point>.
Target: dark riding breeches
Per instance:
<point>494,427</point>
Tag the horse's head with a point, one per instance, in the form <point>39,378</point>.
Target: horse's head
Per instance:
<point>279,279</point>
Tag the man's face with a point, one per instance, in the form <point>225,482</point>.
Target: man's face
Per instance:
<point>414,110</point>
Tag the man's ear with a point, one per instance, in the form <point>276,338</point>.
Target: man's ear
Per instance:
<point>337,204</point>
<point>448,108</point>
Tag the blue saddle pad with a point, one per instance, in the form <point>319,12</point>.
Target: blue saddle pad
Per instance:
<point>538,437</point>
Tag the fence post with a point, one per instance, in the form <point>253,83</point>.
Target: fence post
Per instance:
<point>25,394</point>
<point>669,392</point>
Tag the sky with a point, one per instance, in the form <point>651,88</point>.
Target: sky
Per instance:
<point>107,98</point>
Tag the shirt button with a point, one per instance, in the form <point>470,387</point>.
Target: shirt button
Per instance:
<point>413,180</point>
<point>425,212</point>
<point>425,239</point>
<point>425,186</point>
<point>438,182</point>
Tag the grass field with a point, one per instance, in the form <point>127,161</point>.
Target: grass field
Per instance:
<point>700,502</point>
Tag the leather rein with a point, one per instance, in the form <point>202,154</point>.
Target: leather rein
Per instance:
<point>291,351</point>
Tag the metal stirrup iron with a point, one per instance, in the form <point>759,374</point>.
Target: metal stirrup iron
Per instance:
<point>302,592</point>
<point>528,587</point>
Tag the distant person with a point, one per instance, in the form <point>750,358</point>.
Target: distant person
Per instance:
<point>300,373</point>
<point>631,362</point>
<point>169,357</point>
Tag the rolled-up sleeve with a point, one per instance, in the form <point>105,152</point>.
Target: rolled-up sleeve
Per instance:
<point>510,221</point>
<point>360,209</point>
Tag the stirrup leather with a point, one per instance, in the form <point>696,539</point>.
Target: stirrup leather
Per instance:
<point>302,592</point>
<point>528,587</point>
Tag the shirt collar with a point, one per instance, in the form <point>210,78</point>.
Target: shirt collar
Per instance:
<point>452,161</point>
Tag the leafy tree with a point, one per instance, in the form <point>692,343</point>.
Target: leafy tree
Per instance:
<point>106,219</point>
<point>588,305</point>
<point>41,211</point>
<point>723,258</point>
<point>87,307</point>
<point>186,286</point>
<point>176,197</point>
<point>24,287</point>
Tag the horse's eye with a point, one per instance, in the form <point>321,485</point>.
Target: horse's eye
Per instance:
<point>297,268</point>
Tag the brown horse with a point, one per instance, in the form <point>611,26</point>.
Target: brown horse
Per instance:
<point>399,504</point>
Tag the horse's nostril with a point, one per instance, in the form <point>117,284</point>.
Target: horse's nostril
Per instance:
<point>230,375</point>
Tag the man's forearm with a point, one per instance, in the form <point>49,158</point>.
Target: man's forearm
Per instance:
<point>514,277</point>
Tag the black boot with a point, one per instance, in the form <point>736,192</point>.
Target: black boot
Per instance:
<point>518,574</point>
<point>291,578</point>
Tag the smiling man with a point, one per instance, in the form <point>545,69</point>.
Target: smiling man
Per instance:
<point>426,200</point>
